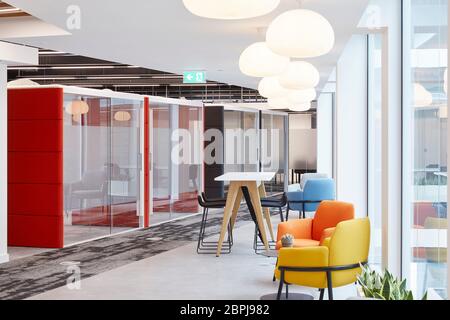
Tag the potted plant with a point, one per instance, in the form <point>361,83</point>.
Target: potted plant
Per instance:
<point>383,286</point>
<point>287,240</point>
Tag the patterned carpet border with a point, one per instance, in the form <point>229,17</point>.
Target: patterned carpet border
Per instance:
<point>29,276</point>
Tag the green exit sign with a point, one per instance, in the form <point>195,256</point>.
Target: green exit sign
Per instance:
<point>194,77</point>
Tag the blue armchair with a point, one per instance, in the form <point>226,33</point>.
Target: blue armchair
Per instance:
<point>308,199</point>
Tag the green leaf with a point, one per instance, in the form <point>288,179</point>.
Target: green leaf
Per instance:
<point>367,292</point>
<point>403,285</point>
<point>409,296</point>
<point>378,296</point>
<point>386,289</point>
<point>425,296</point>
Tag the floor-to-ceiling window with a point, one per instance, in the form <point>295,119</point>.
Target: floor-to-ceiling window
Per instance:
<point>374,145</point>
<point>424,142</point>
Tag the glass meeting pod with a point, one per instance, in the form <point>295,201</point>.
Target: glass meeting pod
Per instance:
<point>102,133</point>
<point>234,133</point>
<point>175,155</point>
<point>75,170</point>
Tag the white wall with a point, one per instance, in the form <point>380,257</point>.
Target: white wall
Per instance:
<point>3,165</point>
<point>351,125</point>
<point>385,16</point>
<point>325,134</point>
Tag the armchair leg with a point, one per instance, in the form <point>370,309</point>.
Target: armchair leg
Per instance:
<point>287,213</point>
<point>330,286</point>
<point>280,287</point>
<point>287,291</point>
<point>322,291</point>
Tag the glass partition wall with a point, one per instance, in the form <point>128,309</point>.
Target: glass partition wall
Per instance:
<point>101,166</point>
<point>274,132</point>
<point>175,160</point>
<point>425,145</point>
<point>241,140</point>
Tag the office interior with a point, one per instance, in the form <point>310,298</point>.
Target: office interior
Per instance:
<point>106,152</point>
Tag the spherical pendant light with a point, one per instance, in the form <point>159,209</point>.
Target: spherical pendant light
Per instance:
<point>299,97</point>
<point>300,107</point>
<point>299,75</point>
<point>279,103</point>
<point>122,116</point>
<point>77,107</point>
<point>258,61</point>
<point>269,87</point>
<point>230,9</point>
<point>422,97</point>
<point>300,33</point>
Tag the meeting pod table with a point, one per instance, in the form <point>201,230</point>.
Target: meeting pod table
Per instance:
<point>81,163</point>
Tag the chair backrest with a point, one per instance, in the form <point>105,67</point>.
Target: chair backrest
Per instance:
<point>329,214</point>
<point>307,176</point>
<point>318,190</point>
<point>349,245</point>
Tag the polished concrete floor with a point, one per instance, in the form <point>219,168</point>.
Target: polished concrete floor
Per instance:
<point>183,274</point>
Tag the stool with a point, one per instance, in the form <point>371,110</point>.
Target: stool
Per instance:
<point>210,247</point>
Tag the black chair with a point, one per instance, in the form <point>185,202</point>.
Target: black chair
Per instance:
<point>210,247</point>
<point>269,202</point>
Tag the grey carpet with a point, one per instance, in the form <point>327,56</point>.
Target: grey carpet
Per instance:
<point>36,274</point>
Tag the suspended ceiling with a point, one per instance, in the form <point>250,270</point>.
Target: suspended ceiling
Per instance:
<point>163,35</point>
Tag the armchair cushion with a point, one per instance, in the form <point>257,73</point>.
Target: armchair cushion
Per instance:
<point>299,228</point>
<point>326,234</point>
<point>329,214</point>
<point>307,176</point>
<point>300,243</point>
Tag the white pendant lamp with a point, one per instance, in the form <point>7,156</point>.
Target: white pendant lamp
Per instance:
<point>279,103</point>
<point>300,33</point>
<point>299,75</point>
<point>422,97</point>
<point>76,117</point>
<point>300,97</point>
<point>301,107</point>
<point>122,116</point>
<point>23,82</point>
<point>269,87</point>
<point>77,107</point>
<point>230,9</point>
<point>258,60</point>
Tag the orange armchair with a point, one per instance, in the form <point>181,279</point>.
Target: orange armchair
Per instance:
<point>312,232</point>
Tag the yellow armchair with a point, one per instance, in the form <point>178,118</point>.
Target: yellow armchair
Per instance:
<point>334,264</point>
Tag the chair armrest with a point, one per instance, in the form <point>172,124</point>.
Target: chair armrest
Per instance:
<point>294,196</point>
<point>307,257</point>
<point>299,228</point>
<point>326,233</point>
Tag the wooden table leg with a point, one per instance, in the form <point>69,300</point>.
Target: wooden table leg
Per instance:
<point>256,201</point>
<point>231,197</point>
<point>266,211</point>
<point>237,204</point>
